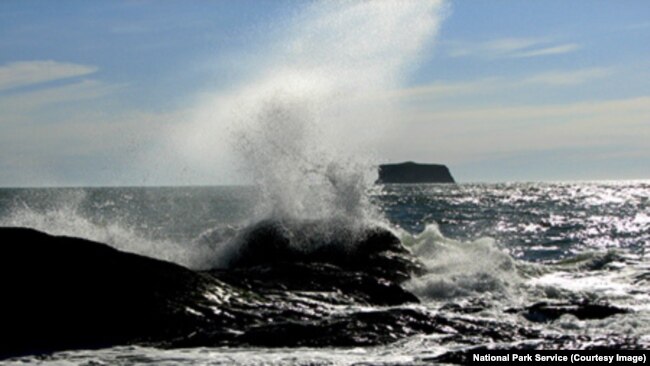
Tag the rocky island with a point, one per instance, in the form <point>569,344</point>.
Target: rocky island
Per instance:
<point>411,172</point>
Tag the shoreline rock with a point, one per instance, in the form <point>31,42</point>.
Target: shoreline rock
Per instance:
<point>62,293</point>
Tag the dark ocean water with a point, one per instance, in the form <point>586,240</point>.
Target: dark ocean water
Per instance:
<point>504,245</point>
<point>534,221</point>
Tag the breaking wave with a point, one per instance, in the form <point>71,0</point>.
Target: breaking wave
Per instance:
<point>456,268</point>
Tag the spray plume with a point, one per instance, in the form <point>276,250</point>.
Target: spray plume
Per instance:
<point>301,127</point>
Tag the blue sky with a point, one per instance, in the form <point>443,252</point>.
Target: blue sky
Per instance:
<point>101,93</point>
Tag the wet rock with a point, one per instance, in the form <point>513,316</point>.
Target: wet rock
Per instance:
<point>466,306</point>
<point>372,250</point>
<point>63,293</point>
<point>67,293</point>
<point>316,280</point>
<point>591,261</point>
<point>341,330</point>
<point>545,311</point>
<point>642,278</point>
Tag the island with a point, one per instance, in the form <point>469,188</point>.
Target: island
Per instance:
<point>411,172</point>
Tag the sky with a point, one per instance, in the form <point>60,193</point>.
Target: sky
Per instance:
<point>133,92</point>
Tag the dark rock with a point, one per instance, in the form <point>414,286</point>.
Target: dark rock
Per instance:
<point>545,311</point>
<point>344,330</point>
<point>61,293</point>
<point>410,172</point>
<point>356,329</point>
<point>642,278</point>
<point>317,280</point>
<point>66,293</point>
<point>372,250</point>
<point>468,306</point>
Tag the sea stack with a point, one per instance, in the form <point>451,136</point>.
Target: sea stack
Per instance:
<point>411,172</point>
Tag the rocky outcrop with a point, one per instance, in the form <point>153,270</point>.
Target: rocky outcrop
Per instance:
<point>287,285</point>
<point>549,311</point>
<point>62,293</point>
<point>372,250</point>
<point>68,293</point>
<point>410,172</point>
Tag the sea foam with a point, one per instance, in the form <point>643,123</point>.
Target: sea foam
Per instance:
<point>456,268</point>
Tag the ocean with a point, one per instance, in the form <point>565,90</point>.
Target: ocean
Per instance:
<point>521,258</point>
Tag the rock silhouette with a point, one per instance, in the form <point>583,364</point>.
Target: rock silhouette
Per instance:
<point>410,172</point>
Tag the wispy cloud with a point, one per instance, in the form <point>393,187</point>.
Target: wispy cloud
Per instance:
<point>601,111</point>
<point>22,103</point>
<point>510,48</point>
<point>554,50</point>
<point>572,77</point>
<point>506,45</point>
<point>554,78</point>
<point>471,132</point>
<point>445,89</point>
<point>23,73</point>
